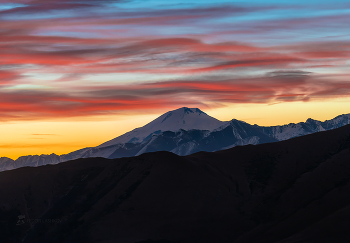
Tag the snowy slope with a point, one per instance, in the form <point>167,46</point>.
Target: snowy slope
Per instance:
<point>183,118</point>
<point>303,128</point>
<point>6,164</point>
<point>184,131</point>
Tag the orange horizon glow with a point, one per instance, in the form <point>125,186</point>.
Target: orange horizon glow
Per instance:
<point>75,74</point>
<point>62,137</point>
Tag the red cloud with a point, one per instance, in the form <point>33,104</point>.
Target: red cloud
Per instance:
<point>286,86</point>
<point>7,77</point>
<point>29,46</point>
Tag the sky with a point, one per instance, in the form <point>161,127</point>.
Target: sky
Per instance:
<point>75,74</point>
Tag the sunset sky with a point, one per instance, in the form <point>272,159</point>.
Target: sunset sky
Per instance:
<point>75,74</point>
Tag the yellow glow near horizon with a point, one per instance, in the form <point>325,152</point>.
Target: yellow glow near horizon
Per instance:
<point>60,137</point>
<point>283,113</point>
<point>46,137</point>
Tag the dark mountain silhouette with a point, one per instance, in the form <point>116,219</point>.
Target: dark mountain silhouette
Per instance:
<point>296,190</point>
<point>184,131</point>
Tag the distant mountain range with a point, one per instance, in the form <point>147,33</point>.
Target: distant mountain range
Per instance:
<point>293,191</point>
<point>183,131</point>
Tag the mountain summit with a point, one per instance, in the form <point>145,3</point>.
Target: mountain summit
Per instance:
<point>287,192</point>
<point>183,118</point>
<point>184,131</point>
<point>186,119</point>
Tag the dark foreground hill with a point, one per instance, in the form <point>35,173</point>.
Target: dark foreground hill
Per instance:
<point>291,191</point>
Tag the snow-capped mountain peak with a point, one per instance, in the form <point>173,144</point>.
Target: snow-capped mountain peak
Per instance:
<point>184,131</point>
<point>182,118</point>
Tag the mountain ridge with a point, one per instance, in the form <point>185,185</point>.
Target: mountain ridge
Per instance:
<point>182,118</point>
<point>295,190</point>
<point>182,132</point>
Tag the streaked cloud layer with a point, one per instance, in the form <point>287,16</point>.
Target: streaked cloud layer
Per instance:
<point>70,58</point>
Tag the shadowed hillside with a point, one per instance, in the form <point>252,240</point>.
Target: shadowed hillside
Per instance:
<point>296,190</point>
